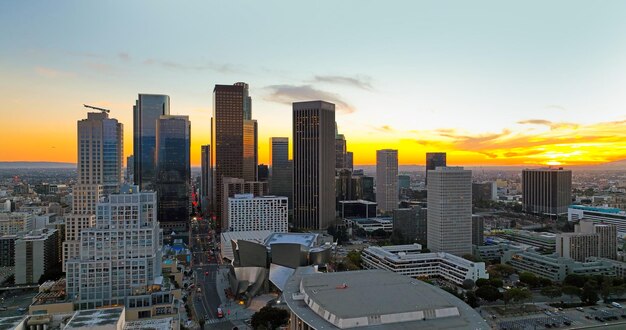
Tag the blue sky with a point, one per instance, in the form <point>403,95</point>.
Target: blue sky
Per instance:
<point>397,70</point>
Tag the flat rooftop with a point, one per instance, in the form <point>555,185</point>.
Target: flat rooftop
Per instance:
<point>95,318</point>
<point>305,239</point>
<point>376,299</point>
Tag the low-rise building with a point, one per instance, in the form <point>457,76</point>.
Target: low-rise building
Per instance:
<point>357,209</point>
<point>541,240</point>
<point>14,222</point>
<point>553,267</point>
<point>606,215</point>
<point>371,224</point>
<point>373,299</point>
<point>408,260</point>
<point>36,253</point>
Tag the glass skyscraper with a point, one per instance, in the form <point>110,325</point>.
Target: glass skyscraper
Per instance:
<point>173,172</point>
<point>146,111</point>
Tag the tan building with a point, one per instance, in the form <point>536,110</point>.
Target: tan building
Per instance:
<point>589,240</point>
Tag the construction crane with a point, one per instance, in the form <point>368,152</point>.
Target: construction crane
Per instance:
<point>96,108</point>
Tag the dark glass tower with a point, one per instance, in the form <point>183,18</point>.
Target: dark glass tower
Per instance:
<point>173,172</point>
<point>281,181</point>
<point>434,160</point>
<point>147,110</point>
<point>206,179</point>
<point>314,164</point>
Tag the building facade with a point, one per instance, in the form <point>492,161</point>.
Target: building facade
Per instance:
<point>606,215</point>
<point>281,169</point>
<point>147,110</point>
<point>313,164</point>
<point>478,228</point>
<point>387,180</point>
<point>546,191</point>
<point>120,257</point>
<point>234,186</point>
<point>450,210</point>
<point>250,147</point>
<point>206,179</point>
<point>173,172</point>
<point>434,160</point>
<point>35,253</point>
<point>247,213</point>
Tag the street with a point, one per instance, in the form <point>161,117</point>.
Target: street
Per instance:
<point>206,299</point>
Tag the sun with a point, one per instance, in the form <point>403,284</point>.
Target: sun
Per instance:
<point>553,163</point>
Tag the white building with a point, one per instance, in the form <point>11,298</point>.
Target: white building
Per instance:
<point>249,213</point>
<point>14,222</point>
<point>387,180</point>
<point>449,215</point>
<point>407,260</point>
<point>120,257</point>
<point>35,253</point>
<point>606,215</point>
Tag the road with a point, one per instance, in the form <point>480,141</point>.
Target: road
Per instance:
<point>204,265</point>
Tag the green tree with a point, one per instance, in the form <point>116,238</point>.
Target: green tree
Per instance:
<point>572,291</point>
<point>270,318</point>
<point>501,270</point>
<point>575,280</point>
<point>529,279</point>
<point>379,233</point>
<point>590,293</point>
<point>551,291</point>
<point>482,282</point>
<point>471,299</point>
<point>468,284</point>
<point>606,289</point>
<point>517,295</point>
<point>354,257</point>
<point>497,282</point>
<point>488,293</point>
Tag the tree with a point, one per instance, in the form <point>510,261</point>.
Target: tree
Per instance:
<point>488,293</point>
<point>482,282</point>
<point>590,292</point>
<point>397,237</point>
<point>571,291</point>
<point>496,282</point>
<point>354,257</point>
<point>454,292</point>
<point>270,317</point>
<point>501,270</point>
<point>470,299</point>
<point>575,280</point>
<point>471,258</point>
<point>606,289</point>
<point>517,295</point>
<point>379,233</point>
<point>551,291</point>
<point>468,284</point>
<point>529,279</point>
<point>544,282</point>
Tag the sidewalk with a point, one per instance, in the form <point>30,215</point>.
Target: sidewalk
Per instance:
<point>238,313</point>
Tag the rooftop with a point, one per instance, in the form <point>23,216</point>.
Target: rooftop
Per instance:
<point>95,317</point>
<point>611,210</point>
<point>257,236</point>
<point>305,239</point>
<point>150,324</point>
<point>377,299</point>
<point>358,201</point>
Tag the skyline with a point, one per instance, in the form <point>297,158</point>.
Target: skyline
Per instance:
<point>478,82</point>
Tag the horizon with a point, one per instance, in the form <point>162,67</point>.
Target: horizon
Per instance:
<point>475,81</point>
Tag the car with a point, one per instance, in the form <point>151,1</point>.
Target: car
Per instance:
<point>594,308</point>
<point>588,317</point>
<point>21,309</point>
<point>199,290</point>
<point>220,313</point>
<point>580,309</point>
<point>616,305</point>
<point>3,308</point>
<point>547,325</point>
<point>568,323</point>
<point>206,273</point>
<point>547,313</point>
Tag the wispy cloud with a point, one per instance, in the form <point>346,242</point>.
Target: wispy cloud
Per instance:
<point>385,129</point>
<point>556,107</point>
<point>286,94</point>
<point>53,73</point>
<point>124,56</point>
<point>552,125</point>
<point>207,66</point>
<point>361,82</point>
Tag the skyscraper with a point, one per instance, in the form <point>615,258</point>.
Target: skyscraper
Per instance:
<point>100,154</point>
<point>227,137</point>
<point>206,179</point>
<point>250,157</point>
<point>433,160</point>
<point>547,190</point>
<point>387,180</point>
<point>173,172</point>
<point>349,160</point>
<point>130,168</point>
<point>314,164</point>
<point>281,181</point>
<point>340,149</point>
<point>146,111</point>
<point>449,212</point>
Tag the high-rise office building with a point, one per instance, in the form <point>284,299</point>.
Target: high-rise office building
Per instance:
<point>206,179</point>
<point>547,190</point>
<point>478,228</point>
<point>434,160</point>
<point>263,172</point>
<point>450,210</point>
<point>249,213</point>
<point>250,157</point>
<point>120,257</point>
<point>147,110</point>
<point>484,191</point>
<point>314,164</point>
<point>349,160</point>
<point>387,180</point>
<point>340,149</point>
<point>100,162</point>
<point>363,187</point>
<point>130,168</point>
<point>173,172</point>
<point>343,186</point>
<point>227,137</point>
<point>281,169</point>
<point>588,240</point>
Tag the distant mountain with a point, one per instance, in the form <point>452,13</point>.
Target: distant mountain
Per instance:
<point>11,165</point>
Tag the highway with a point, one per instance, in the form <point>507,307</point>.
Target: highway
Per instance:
<point>205,269</point>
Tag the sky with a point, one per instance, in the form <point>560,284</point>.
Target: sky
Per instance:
<point>488,82</point>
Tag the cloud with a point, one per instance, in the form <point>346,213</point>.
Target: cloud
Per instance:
<point>548,123</point>
<point>124,56</point>
<point>208,66</point>
<point>384,129</point>
<point>555,106</point>
<point>287,94</point>
<point>53,73</point>
<point>358,82</point>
